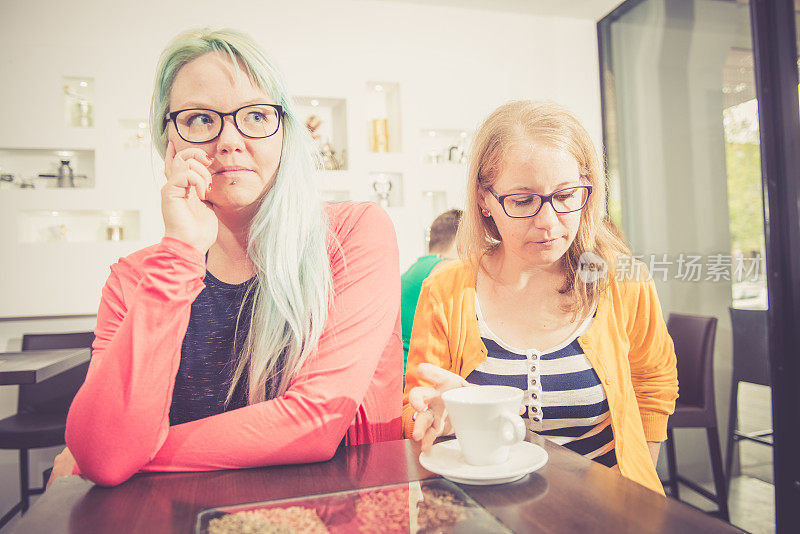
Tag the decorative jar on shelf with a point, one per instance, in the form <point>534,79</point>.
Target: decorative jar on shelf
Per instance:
<point>114,230</point>
<point>380,135</point>
<point>382,187</point>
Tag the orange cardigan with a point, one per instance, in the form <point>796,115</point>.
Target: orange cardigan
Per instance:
<point>627,344</point>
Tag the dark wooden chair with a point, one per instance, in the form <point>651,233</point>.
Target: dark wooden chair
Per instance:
<point>41,417</point>
<point>694,346</point>
<point>750,364</point>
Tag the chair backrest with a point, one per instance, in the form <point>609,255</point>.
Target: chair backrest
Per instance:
<point>750,346</point>
<point>55,394</point>
<point>694,337</point>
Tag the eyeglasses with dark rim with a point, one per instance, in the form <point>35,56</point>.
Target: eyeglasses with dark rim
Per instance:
<point>201,125</point>
<point>524,205</point>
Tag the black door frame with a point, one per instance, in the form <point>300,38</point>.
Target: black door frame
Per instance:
<point>775,52</point>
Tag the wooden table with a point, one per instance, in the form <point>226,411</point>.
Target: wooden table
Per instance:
<point>33,366</point>
<point>569,494</point>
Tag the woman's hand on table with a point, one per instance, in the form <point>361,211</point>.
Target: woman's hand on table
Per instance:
<point>430,420</point>
<point>63,465</point>
<point>188,214</point>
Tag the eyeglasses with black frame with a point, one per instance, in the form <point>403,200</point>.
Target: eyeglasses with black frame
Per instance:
<point>524,205</point>
<point>201,125</point>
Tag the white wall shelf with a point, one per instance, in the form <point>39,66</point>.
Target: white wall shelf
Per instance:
<point>84,139</point>
<point>335,195</point>
<point>387,160</point>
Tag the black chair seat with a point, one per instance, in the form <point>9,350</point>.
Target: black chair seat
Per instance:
<point>28,430</point>
<point>689,416</point>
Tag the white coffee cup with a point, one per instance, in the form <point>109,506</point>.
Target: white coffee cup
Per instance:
<point>486,421</point>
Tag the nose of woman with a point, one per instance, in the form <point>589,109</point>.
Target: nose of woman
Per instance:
<point>230,139</point>
<point>546,218</point>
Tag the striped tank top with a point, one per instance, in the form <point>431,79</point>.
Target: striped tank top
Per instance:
<point>564,399</point>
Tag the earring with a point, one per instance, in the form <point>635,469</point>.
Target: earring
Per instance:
<point>486,213</point>
<point>233,182</point>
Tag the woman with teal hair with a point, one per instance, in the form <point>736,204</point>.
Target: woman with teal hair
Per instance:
<point>249,335</point>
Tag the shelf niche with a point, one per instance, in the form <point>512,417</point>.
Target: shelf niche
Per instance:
<point>326,119</point>
<point>24,167</point>
<point>78,101</point>
<point>440,147</point>
<point>383,117</point>
<point>78,226</point>
<point>134,134</point>
<point>386,188</point>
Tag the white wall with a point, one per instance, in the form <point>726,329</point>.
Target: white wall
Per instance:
<point>452,65</point>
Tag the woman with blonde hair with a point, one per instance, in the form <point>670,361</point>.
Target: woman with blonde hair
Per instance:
<point>534,302</point>
<point>250,335</point>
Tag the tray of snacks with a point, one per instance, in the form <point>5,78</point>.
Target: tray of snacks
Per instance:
<point>434,505</point>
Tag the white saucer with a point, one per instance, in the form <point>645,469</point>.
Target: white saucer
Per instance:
<point>445,459</point>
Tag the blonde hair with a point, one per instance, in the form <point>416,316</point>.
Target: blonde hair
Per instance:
<point>554,125</point>
<point>288,237</point>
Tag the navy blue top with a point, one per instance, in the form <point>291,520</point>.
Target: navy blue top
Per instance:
<point>207,355</point>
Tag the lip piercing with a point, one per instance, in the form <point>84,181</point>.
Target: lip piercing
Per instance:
<point>233,182</point>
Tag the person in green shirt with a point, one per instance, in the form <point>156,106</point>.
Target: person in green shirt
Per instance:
<point>441,247</point>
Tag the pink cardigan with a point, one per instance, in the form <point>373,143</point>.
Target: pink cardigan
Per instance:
<point>350,387</point>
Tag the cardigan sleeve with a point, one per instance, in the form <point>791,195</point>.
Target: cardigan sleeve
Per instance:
<point>120,416</point>
<point>429,343</point>
<point>653,363</point>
